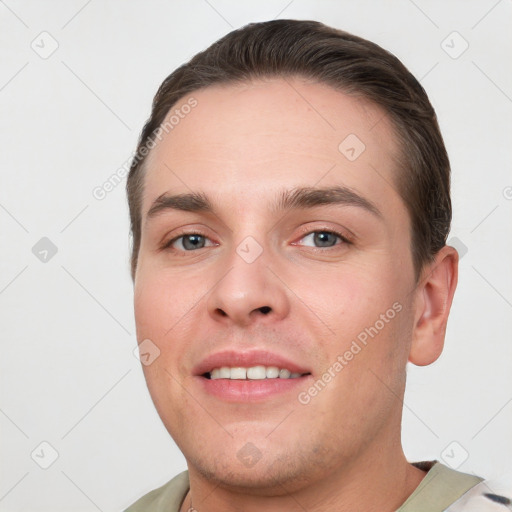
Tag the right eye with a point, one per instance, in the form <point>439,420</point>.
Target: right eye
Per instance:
<point>189,242</point>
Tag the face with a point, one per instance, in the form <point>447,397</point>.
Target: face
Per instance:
<point>273,238</point>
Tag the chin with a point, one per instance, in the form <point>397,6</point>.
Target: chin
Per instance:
<point>265,476</point>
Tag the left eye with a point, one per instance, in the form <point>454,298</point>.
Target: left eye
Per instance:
<point>321,239</point>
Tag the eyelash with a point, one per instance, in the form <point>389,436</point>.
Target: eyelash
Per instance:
<point>168,245</point>
<point>342,238</point>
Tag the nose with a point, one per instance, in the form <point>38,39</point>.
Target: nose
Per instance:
<point>247,292</point>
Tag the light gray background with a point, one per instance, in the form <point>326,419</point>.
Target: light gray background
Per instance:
<point>70,121</point>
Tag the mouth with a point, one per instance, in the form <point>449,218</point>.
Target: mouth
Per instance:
<point>253,376</point>
<point>259,372</point>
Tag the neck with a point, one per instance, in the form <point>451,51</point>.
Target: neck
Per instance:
<point>377,483</point>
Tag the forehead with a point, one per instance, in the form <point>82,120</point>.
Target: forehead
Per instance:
<point>246,139</point>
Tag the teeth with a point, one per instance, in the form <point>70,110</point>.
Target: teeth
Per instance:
<point>257,373</point>
<point>238,373</point>
<point>224,373</point>
<point>272,372</point>
<point>284,373</point>
<point>252,373</point>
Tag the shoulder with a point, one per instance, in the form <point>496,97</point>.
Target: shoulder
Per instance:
<point>487,496</point>
<point>440,487</point>
<point>167,498</point>
<point>455,479</point>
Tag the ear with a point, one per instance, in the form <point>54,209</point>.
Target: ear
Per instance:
<point>434,294</point>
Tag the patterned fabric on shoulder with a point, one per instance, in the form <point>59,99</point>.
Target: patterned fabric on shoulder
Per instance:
<point>493,495</point>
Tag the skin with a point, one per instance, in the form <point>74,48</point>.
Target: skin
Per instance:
<point>241,146</point>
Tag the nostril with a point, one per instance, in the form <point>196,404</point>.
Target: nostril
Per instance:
<point>265,309</point>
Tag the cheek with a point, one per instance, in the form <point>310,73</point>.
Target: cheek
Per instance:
<point>349,298</point>
<point>157,317</point>
<point>161,316</point>
<point>161,302</point>
<point>369,326</point>
<point>365,372</point>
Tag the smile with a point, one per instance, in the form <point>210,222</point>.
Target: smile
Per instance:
<point>252,373</point>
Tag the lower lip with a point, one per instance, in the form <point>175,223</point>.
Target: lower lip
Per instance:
<point>250,390</point>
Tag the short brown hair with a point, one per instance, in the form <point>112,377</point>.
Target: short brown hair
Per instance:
<point>350,64</point>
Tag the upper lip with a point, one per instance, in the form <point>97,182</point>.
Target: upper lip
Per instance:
<point>247,359</point>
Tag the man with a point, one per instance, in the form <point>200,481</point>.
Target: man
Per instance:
<point>289,206</point>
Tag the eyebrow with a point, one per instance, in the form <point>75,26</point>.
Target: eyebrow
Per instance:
<point>309,197</point>
<point>303,197</point>
<point>192,202</point>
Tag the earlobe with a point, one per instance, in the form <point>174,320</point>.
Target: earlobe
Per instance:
<point>434,295</point>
